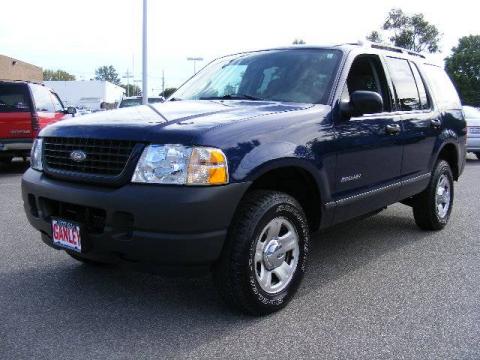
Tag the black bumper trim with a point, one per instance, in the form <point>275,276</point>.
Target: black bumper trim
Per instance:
<point>172,224</point>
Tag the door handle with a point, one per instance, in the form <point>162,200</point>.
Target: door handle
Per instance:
<point>392,129</point>
<point>436,123</point>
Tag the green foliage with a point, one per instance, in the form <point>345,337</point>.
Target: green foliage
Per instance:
<point>411,32</point>
<point>132,90</point>
<point>463,66</point>
<point>107,73</point>
<point>167,92</point>
<point>375,37</point>
<point>298,42</point>
<point>57,75</point>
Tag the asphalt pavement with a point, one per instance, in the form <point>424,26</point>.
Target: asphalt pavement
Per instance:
<point>375,289</point>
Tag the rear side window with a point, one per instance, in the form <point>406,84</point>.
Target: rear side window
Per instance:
<point>14,98</point>
<point>442,87</point>
<point>42,98</point>
<point>421,87</point>
<point>404,84</point>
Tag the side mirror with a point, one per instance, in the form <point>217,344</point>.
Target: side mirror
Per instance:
<point>71,110</point>
<point>362,102</point>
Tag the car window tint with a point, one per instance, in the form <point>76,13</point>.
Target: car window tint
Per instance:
<point>421,87</point>
<point>14,98</point>
<point>442,87</point>
<point>367,74</point>
<point>57,104</point>
<point>42,98</point>
<point>404,84</point>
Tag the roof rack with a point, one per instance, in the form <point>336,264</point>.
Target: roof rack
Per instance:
<point>386,47</point>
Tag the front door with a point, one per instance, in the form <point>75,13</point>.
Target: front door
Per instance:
<point>369,147</point>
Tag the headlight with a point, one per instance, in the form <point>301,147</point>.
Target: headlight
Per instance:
<point>181,165</point>
<point>36,155</point>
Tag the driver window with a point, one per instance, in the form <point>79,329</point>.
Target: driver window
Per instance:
<point>367,74</point>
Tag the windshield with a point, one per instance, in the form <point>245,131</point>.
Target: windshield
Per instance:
<point>130,102</point>
<point>303,76</point>
<point>471,112</point>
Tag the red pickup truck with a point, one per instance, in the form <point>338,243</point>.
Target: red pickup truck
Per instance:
<point>25,109</point>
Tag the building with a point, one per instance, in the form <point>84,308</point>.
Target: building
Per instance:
<point>92,95</point>
<point>13,69</point>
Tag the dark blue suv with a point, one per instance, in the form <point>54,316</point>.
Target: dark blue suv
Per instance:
<point>247,159</point>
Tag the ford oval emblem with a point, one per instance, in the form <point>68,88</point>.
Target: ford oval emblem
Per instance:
<point>78,155</point>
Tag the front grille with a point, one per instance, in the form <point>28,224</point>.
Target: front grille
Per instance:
<point>103,157</point>
<point>92,218</point>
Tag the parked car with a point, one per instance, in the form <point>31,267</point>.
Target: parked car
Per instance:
<point>472,115</point>
<point>137,100</point>
<point>25,108</point>
<point>246,160</point>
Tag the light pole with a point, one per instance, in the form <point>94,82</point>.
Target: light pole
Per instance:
<point>144,55</point>
<point>195,59</point>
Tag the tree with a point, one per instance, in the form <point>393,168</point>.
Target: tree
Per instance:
<point>167,92</point>
<point>463,66</point>
<point>132,90</point>
<point>57,75</point>
<point>375,37</point>
<point>107,73</point>
<point>298,42</point>
<point>411,32</point>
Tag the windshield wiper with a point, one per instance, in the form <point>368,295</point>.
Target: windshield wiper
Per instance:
<point>232,97</point>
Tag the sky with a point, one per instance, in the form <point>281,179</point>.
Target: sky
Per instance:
<point>80,35</point>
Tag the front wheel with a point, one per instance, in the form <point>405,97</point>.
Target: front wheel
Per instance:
<point>265,255</point>
<point>432,207</point>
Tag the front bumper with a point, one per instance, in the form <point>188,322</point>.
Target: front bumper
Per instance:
<point>168,225</point>
<point>15,147</point>
<point>473,144</point>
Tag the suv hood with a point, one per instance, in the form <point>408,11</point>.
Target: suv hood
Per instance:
<point>184,119</point>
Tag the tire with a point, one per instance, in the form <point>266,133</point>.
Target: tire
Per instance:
<point>427,213</point>
<point>254,253</point>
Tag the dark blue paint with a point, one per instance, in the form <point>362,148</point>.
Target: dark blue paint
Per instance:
<point>261,136</point>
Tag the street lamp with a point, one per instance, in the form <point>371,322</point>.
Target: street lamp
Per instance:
<point>195,59</point>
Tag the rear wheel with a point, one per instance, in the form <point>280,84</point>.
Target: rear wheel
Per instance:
<point>264,257</point>
<point>432,207</point>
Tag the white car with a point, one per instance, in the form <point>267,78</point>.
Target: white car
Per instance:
<point>472,115</point>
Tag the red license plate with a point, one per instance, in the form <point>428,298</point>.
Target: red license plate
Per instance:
<point>66,234</point>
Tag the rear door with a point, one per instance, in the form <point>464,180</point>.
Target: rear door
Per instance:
<point>421,124</point>
<point>15,111</point>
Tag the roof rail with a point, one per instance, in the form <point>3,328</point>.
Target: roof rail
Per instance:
<point>385,47</point>
<point>395,49</point>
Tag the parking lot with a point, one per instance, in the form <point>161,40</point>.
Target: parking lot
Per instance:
<point>377,288</point>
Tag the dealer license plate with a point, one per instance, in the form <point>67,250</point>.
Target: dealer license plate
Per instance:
<point>66,234</point>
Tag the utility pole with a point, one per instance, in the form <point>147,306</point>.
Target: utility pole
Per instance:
<point>163,82</point>
<point>195,59</point>
<point>128,76</point>
<point>144,55</point>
